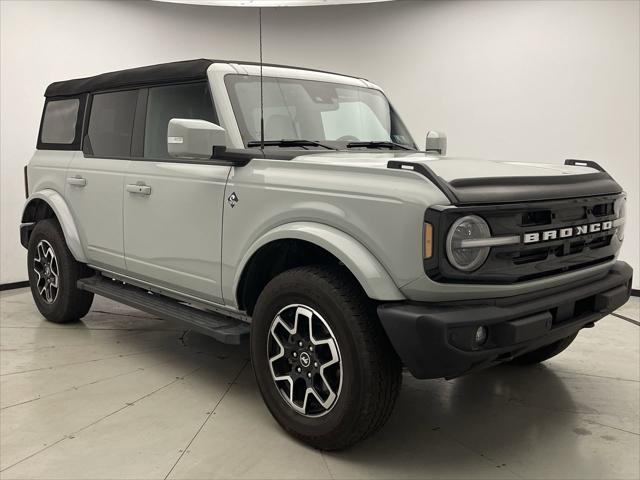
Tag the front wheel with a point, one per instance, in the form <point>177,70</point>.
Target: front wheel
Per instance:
<point>322,361</point>
<point>53,273</point>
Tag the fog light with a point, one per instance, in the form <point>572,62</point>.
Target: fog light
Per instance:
<point>481,335</point>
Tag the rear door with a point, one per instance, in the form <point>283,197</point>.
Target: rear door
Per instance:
<point>95,178</point>
<point>173,208</point>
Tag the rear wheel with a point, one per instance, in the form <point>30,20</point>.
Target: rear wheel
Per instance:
<point>53,273</point>
<point>323,363</point>
<point>544,353</point>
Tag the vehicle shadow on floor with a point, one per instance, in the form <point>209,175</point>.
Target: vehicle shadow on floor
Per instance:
<point>483,405</point>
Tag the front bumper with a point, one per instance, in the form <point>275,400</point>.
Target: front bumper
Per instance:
<point>437,339</point>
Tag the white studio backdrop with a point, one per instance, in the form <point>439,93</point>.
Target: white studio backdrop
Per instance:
<point>522,80</point>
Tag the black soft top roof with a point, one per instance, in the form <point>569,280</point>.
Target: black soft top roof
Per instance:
<point>186,70</point>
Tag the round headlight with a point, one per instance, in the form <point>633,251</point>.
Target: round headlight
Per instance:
<point>461,254</point>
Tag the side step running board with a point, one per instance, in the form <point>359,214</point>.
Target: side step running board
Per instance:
<point>222,328</point>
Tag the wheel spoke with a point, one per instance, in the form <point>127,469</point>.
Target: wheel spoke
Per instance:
<point>40,250</point>
<point>276,323</point>
<point>325,403</point>
<point>54,265</point>
<point>306,313</point>
<point>289,380</point>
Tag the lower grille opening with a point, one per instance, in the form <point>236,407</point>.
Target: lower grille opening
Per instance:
<point>600,242</point>
<point>536,255</point>
<point>566,269</point>
<point>586,305</point>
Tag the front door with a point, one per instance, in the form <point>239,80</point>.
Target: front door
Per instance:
<point>173,209</point>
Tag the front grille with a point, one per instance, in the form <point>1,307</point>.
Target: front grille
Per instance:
<point>520,262</point>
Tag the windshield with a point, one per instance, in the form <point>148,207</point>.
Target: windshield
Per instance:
<point>332,113</point>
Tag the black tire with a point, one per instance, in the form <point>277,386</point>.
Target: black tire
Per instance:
<point>66,303</point>
<point>544,353</point>
<point>371,370</point>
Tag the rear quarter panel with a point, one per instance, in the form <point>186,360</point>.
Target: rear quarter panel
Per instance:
<point>48,169</point>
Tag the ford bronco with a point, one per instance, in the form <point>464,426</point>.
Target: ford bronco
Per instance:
<point>292,209</point>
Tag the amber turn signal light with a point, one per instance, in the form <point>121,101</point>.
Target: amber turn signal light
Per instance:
<point>428,240</point>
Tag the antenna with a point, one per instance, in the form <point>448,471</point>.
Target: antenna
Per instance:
<point>261,94</point>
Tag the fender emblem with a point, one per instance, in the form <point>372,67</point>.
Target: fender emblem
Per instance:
<point>233,199</point>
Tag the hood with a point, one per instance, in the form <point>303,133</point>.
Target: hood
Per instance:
<point>448,168</point>
<point>469,181</point>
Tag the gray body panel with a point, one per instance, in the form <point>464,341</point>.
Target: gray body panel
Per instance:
<point>172,235</point>
<point>46,174</point>
<point>381,211</point>
<point>96,207</point>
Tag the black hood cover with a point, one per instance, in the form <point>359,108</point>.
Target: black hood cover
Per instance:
<point>527,189</point>
<point>492,190</point>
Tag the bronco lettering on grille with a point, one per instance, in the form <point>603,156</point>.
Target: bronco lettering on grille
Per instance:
<point>567,232</point>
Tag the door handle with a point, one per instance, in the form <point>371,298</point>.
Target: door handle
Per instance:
<point>139,189</point>
<point>77,181</point>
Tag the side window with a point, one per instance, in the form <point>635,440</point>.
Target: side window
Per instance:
<point>59,121</point>
<point>111,123</point>
<point>191,100</point>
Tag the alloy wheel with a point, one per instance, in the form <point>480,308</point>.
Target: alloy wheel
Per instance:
<point>304,359</point>
<point>45,265</point>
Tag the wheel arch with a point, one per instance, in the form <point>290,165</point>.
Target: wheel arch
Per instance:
<point>48,203</point>
<point>319,244</point>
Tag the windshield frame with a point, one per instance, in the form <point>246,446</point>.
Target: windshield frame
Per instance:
<point>246,137</point>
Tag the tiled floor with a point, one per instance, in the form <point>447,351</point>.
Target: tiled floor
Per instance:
<point>124,395</point>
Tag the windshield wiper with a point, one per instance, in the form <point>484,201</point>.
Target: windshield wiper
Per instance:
<point>378,144</point>
<point>289,143</point>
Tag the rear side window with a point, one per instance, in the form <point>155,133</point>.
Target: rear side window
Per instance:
<point>191,100</point>
<point>61,124</point>
<point>111,124</point>
<point>60,120</point>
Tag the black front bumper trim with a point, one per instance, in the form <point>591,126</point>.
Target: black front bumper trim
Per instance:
<point>435,340</point>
